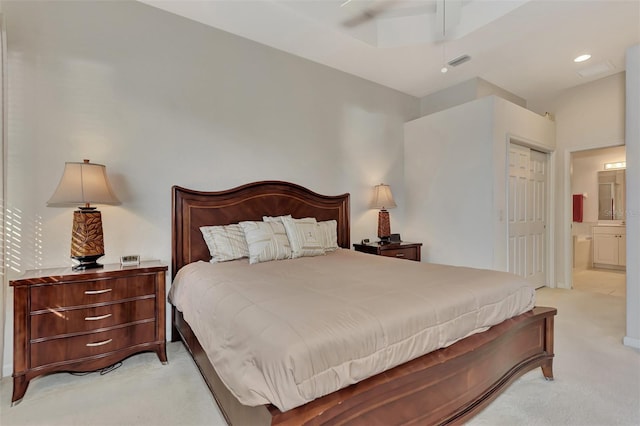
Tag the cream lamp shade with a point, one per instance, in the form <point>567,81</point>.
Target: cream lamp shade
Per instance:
<point>383,200</point>
<point>382,197</point>
<point>85,183</point>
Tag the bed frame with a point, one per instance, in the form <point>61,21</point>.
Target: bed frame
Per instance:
<point>447,386</point>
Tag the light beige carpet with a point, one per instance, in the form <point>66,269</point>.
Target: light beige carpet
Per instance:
<point>597,379</point>
<point>597,382</point>
<point>141,392</point>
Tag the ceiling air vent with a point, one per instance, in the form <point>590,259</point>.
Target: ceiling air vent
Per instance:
<point>597,69</point>
<point>459,60</point>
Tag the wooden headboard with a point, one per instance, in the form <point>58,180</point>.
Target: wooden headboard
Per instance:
<point>193,209</point>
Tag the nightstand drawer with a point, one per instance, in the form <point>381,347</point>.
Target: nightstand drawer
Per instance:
<point>58,322</point>
<point>398,250</point>
<point>53,296</point>
<point>410,253</point>
<point>74,348</point>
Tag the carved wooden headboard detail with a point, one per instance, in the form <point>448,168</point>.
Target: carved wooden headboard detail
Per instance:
<point>192,209</point>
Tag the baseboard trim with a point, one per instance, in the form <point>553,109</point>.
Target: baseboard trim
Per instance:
<point>631,342</point>
<point>7,370</point>
<point>609,267</point>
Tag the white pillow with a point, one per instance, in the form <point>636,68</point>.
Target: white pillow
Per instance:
<point>274,218</point>
<point>225,242</point>
<point>328,233</point>
<point>266,241</point>
<point>303,237</point>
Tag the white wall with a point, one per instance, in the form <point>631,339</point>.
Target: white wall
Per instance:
<point>488,89</point>
<point>587,116</point>
<point>455,175</point>
<point>633,195</point>
<point>449,184</point>
<point>447,98</point>
<point>161,100</point>
<point>464,92</point>
<point>596,115</point>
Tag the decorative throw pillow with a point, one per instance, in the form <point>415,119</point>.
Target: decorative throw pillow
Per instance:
<point>225,242</point>
<point>328,233</point>
<point>274,218</point>
<point>266,241</point>
<point>303,236</point>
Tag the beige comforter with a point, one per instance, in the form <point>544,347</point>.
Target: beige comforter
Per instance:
<point>287,332</point>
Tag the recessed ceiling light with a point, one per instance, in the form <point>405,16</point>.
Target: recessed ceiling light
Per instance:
<point>444,70</point>
<point>582,58</point>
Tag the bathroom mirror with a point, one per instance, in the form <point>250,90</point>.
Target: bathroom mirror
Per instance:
<point>611,195</point>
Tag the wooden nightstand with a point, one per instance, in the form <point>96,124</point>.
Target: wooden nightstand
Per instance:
<point>68,320</point>
<point>401,250</point>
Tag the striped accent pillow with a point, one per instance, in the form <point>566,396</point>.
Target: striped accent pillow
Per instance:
<point>303,237</point>
<point>328,233</point>
<point>225,242</point>
<point>266,241</point>
<point>274,218</point>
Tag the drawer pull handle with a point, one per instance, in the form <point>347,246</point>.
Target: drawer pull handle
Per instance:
<point>104,342</point>
<point>106,290</point>
<point>399,254</point>
<point>97,318</point>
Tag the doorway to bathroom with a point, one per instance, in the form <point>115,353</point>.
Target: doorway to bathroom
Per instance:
<point>598,229</point>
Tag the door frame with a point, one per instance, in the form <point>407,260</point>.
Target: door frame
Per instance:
<point>550,204</point>
<point>567,271</point>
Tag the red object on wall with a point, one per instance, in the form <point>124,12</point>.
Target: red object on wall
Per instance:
<point>578,207</point>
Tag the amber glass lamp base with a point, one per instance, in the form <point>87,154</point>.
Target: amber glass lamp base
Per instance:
<point>384,226</point>
<point>87,241</point>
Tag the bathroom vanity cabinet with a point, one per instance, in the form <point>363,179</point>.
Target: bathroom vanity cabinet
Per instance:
<point>609,247</point>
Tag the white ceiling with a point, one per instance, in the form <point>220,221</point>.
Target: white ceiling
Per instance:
<point>523,46</point>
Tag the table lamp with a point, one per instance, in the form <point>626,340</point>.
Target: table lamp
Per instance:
<point>85,183</point>
<point>383,199</point>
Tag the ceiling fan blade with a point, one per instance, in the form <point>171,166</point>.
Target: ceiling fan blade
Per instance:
<point>369,13</point>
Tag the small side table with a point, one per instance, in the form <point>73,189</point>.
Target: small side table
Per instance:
<point>401,250</point>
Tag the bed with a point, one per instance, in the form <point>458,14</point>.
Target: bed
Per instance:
<point>445,386</point>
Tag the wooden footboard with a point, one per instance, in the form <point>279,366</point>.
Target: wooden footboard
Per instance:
<point>446,386</point>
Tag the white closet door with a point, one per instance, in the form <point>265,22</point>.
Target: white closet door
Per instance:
<point>527,202</point>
